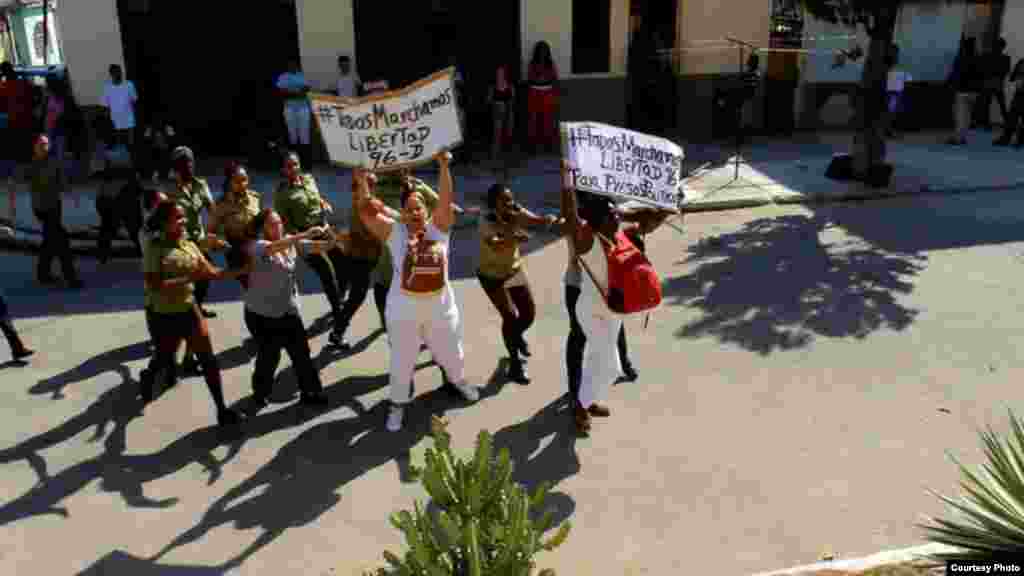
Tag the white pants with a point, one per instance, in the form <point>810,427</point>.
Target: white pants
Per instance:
<point>601,365</point>
<point>434,321</point>
<point>297,118</point>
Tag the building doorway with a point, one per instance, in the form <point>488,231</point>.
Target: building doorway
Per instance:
<point>429,36</point>
<point>651,104</point>
<point>209,67</point>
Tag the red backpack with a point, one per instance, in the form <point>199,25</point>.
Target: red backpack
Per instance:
<point>633,284</point>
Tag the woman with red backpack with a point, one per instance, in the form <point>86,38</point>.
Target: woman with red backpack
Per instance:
<point>617,281</point>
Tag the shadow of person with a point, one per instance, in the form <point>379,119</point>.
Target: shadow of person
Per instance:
<point>301,482</point>
<point>108,361</point>
<point>133,471</point>
<point>555,461</point>
<point>119,562</point>
<point>116,407</point>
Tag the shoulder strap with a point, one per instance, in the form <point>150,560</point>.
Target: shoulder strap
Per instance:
<point>583,263</point>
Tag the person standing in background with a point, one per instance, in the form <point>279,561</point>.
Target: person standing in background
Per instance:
<point>293,88</point>
<point>16,97</point>
<point>1014,124</point>
<point>542,99</point>
<point>48,184</point>
<point>964,80</point>
<point>18,349</point>
<point>896,84</point>
<point>996,67</point>
<point>120,99</point>
<point>349,85</point>
<point>193,195</point>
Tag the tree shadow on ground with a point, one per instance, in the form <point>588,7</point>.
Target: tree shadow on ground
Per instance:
<point>776,284</point>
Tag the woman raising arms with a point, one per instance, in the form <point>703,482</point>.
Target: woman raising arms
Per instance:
<point>593,229</point>
<point>421,307</point>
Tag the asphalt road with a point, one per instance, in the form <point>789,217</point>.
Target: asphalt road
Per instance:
<point>798,391</point>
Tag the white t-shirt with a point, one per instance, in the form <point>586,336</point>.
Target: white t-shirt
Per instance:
<point>898,80</point>
<point>398,243</point>
<point>347,86</point>
<point>120,99</point>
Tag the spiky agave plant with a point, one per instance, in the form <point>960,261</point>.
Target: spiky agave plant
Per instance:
<point>485,526</point>
<point>989,522</point>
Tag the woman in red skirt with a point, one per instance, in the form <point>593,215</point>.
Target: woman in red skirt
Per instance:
<point>542,99</point>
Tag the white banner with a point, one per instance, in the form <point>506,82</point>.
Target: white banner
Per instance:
<point>391,130</point>
<point>623,164</point>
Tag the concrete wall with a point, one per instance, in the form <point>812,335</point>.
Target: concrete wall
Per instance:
<point>326,30</point>
<point>551,21</point>
<point>91,40</point>
<point>703,27</point>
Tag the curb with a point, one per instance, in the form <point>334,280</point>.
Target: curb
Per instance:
<point>863,564</point>
<point>860,195</point>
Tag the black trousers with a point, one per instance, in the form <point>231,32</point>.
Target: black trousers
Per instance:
<point>272,335</point>
<point>115,214</point>
<point>577,342</point>
<point>359,276</point>
<point>336,284</point>
<point>1014,125</point>
<point>55,245</point>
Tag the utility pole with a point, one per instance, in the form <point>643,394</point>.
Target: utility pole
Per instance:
<point>46,33</point>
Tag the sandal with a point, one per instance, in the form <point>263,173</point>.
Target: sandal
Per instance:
<point>582,420</point>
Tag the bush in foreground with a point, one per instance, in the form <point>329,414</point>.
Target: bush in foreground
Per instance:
<point>988,523</point>
<point>486,523</point>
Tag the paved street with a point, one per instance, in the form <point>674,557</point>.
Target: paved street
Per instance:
<point>798,391</point>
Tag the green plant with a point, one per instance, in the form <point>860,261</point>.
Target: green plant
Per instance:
<point>485,524</point>
<point>990,513</point>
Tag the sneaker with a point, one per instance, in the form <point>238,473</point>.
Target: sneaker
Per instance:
<point>469,392</point>
<point>207,313</point>
<point>395,415</point>
<point>629,373</point>
<point>517,373</point>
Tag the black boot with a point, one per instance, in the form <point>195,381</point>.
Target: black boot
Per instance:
<point>18,349</point>
<point>517,371</point>
<point>380,298</point>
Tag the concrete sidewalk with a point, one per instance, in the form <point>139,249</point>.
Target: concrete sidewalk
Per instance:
<point>770,172</point>
<point>922,164</point>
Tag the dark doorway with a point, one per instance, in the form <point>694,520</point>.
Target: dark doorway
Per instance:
<point>403,44</point>
<point>209,67</point>
<point>652,97</point>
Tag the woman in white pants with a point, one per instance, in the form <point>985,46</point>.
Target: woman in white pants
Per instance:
<point>601,362</point>
<point>421,306</point>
